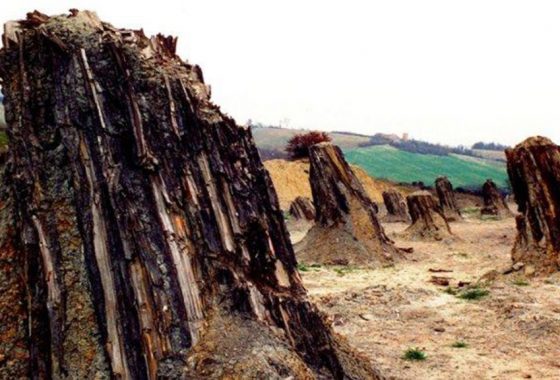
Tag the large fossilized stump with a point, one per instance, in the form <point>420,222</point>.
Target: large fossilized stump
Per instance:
<point>141,236</point>
<point>396,207</point>
<point>346,229</point>
<point>428,221</point>
<point>534,172</point>
<point>444,190</point>
<point>302,209</point>
<point>494,202</point>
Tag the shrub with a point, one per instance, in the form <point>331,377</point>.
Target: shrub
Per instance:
<point>473,294</point>
<point>414,354</point>
<point>298,145</point>
<point>459,344</point>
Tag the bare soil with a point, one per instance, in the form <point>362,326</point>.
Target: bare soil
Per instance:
<point>512,333</point>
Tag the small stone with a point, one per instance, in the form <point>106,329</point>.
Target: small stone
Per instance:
<point>517,266</point>
<point>529,270</point>
<point>439,329</point>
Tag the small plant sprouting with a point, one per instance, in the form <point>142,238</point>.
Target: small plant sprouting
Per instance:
<point>459,344</point>
<point>473,294</point>
<point>520,282</point>
<point>450,290</point>
<point>414,354</point>
<point>306,268</point>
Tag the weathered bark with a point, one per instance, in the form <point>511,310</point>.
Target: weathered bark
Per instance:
<point>396,207</point>
<point>494,203</point>
<point>346,229</point>
<point>141,237</point>
<point>302,208</point>
<point>444,190</point>
<point>534,172</point>
<point>428,221</point>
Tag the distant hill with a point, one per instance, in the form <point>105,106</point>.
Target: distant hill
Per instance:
<point>271,141</point>
<point>383,161</point>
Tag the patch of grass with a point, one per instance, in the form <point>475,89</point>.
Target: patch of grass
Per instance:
<point>489,217</point>
<point>342,271</point>
<point>470,210</point>
<point>462,254</point>
<point>384,161</point>
<point>459,344</point>
<point>3,139</point>
<point>473,294</point>
<point>520,282</point>
<point>306,268</point>
<point>450,290</point>
<point>414,354</point>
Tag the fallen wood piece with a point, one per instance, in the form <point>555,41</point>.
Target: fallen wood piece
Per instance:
<point>433,270</point>
<point>441,281</point>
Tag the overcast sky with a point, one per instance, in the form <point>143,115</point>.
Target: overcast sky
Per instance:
<point>447,71</point>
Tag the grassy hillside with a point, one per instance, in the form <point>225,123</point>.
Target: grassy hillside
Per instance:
<point>384,161</point>
<point>272,141</point>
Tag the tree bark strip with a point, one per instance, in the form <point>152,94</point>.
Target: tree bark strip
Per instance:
<point>141,236</point>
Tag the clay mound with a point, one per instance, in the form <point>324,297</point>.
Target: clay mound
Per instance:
<point>291,179</point>
<point>428,221</point>
<point>347,230</point>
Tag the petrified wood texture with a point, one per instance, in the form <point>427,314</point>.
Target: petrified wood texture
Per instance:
<point>444,190</point>
<point>494,202</point>
<point>346,229</point>
<point>428,221</point>
<point>534,172</point>
<point>141,236</point>
<point>396,207</point>
<point>302,208</point>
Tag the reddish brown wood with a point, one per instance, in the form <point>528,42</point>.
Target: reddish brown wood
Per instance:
<point>428,222</point>
<point>302,208</point>
<point>446,196</point>
<point>494,202</point>
<point>534,172</point>
<point>396,207</point>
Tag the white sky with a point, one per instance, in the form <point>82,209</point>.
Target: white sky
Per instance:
<point>445,71</point>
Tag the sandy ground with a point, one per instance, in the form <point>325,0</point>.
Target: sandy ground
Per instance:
<point>513,333</point>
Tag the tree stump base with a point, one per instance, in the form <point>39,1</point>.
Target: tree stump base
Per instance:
<point>534,172</point>
<point>141,235</point>
<point>428,221</point>
<point>396,207</point>
<point>447,203</point>
<point>494,203</point>
<point>346,229</point>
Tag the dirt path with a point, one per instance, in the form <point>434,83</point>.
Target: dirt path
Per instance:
<point>512,333</point>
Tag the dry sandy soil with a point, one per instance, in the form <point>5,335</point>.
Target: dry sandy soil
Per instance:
<point>512,333</point>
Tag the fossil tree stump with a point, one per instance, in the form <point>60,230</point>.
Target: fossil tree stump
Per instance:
<point>494,202</point>
<point>446,196</point>
<point>141,237</point>
<point>302,209</point>
<point>396,207</point>
<point>428,221</point>
<point>346,229</point>
<point>534,172</point>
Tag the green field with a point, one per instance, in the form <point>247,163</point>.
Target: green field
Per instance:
<point>383,161</point>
